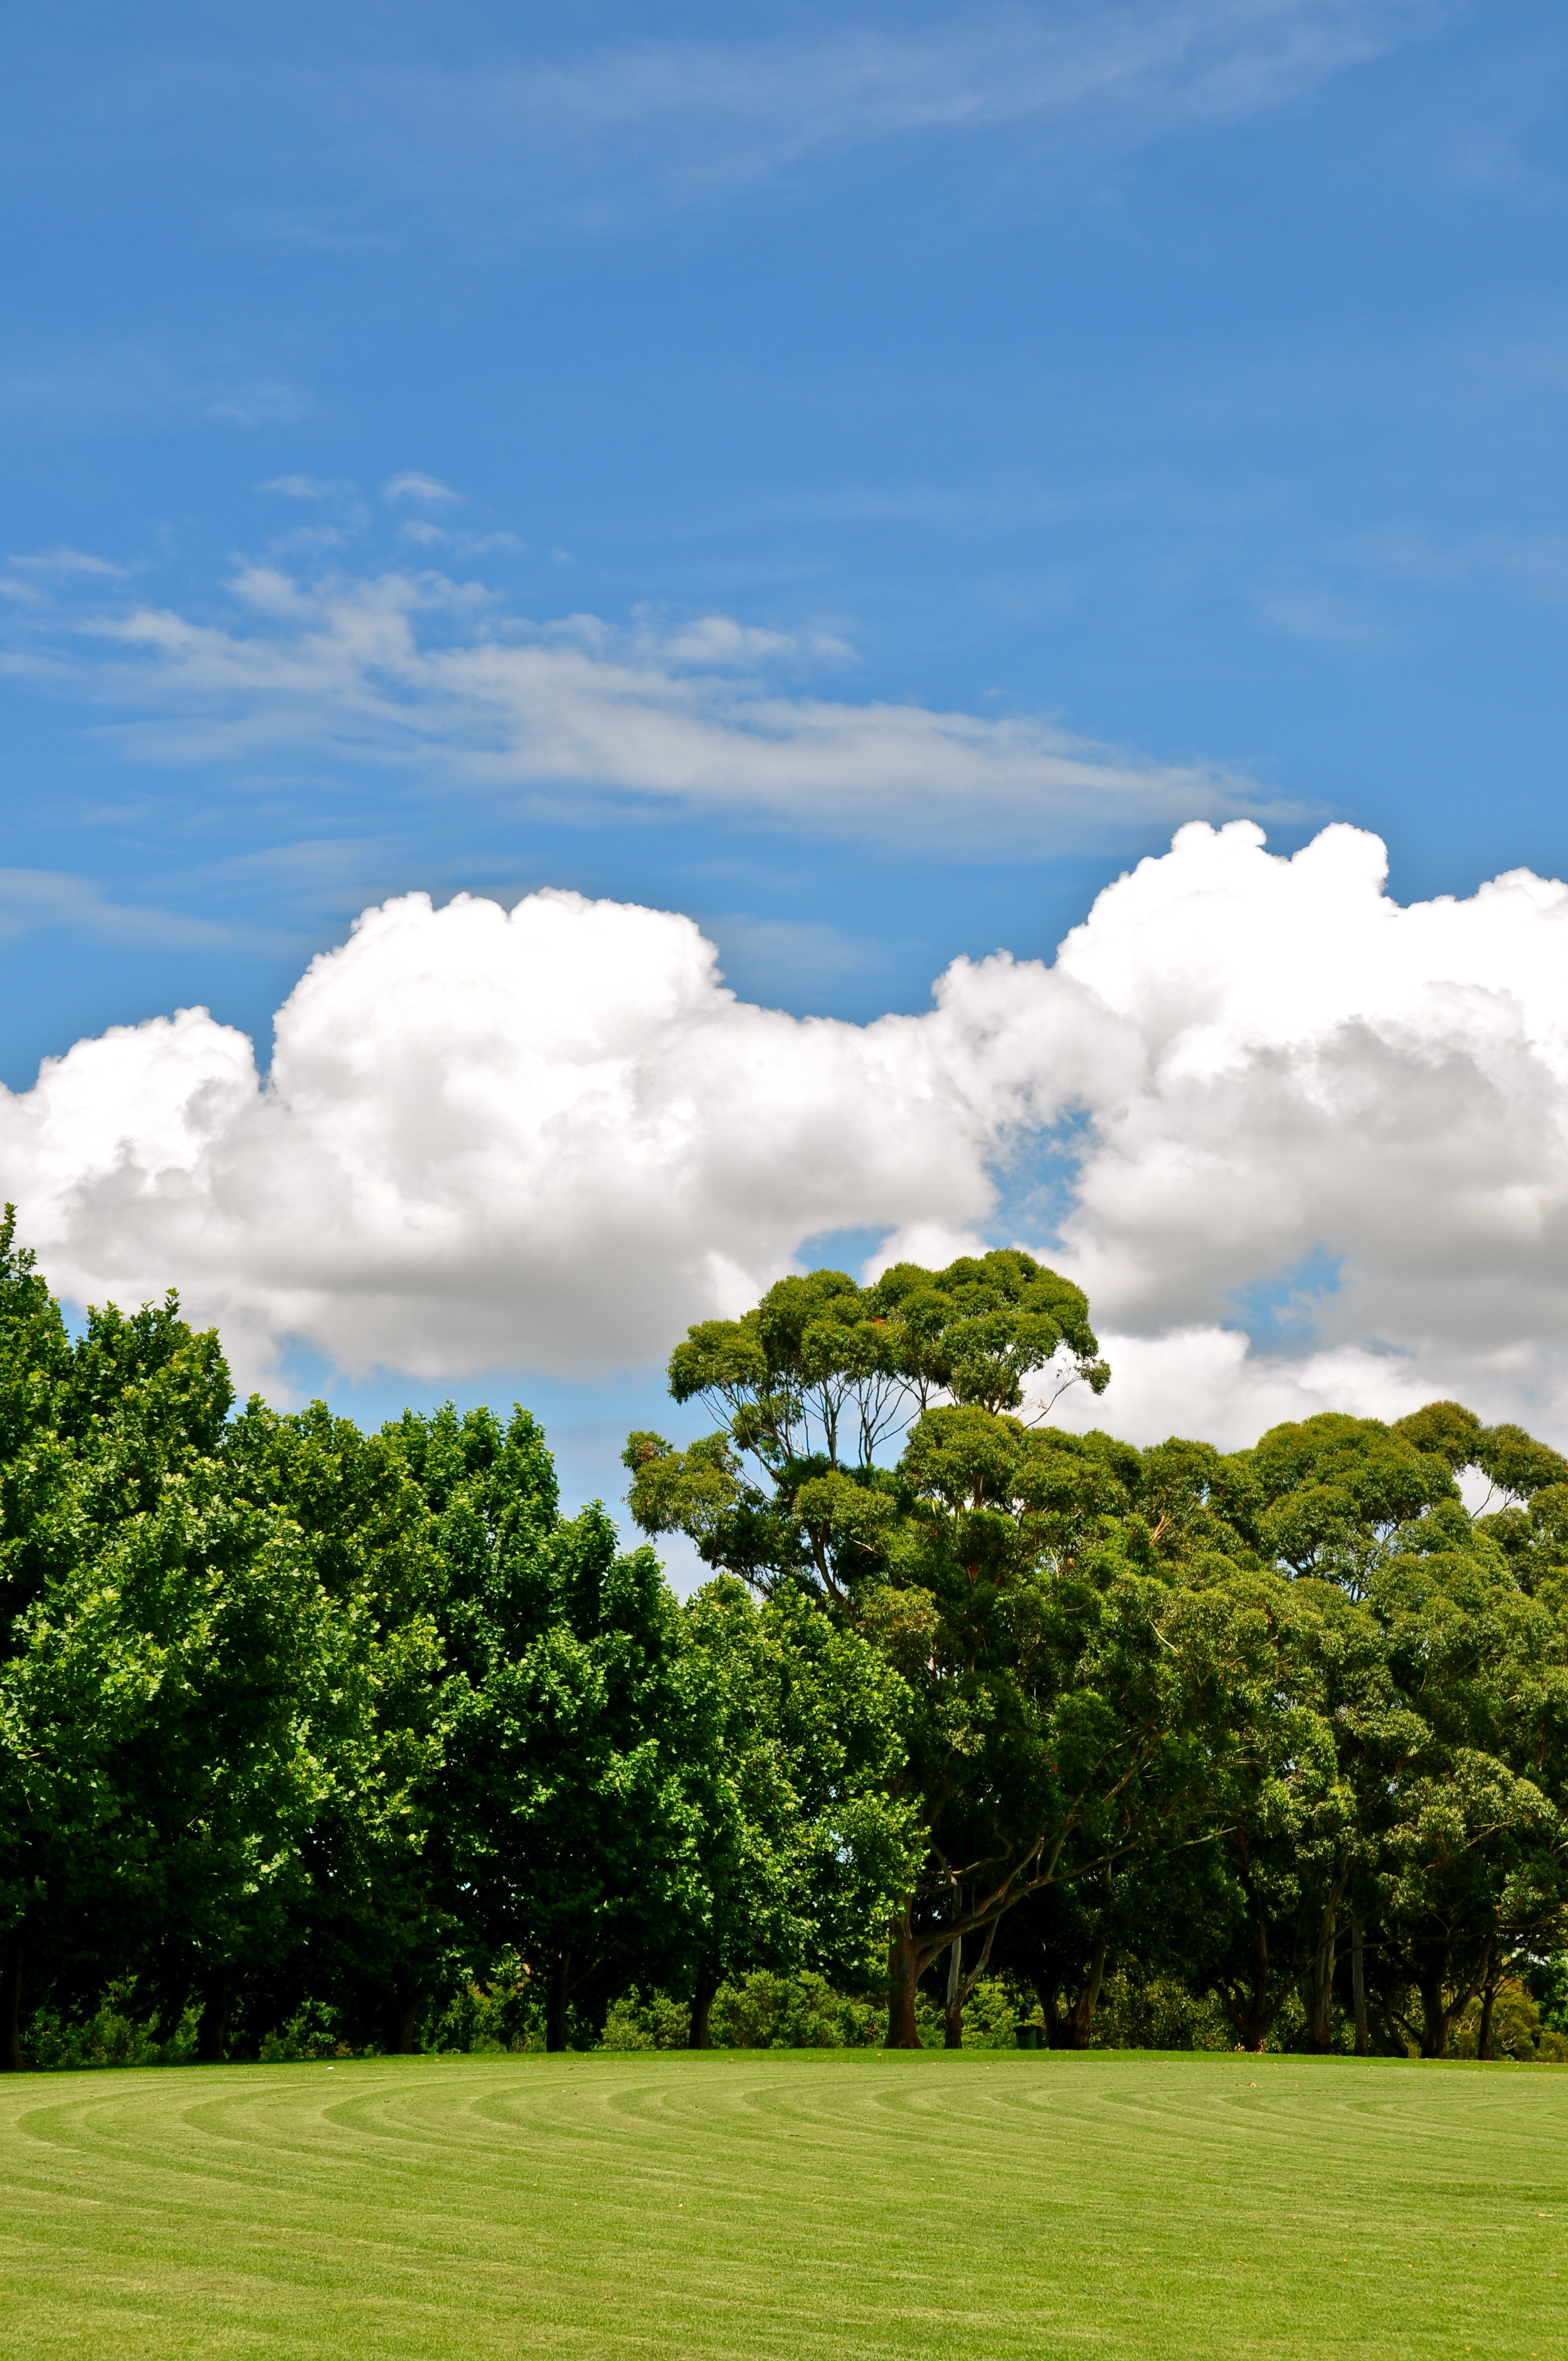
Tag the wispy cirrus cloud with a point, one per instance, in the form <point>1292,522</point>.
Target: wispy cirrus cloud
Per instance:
<point>37,901</point>
<point>91,386</point>
<point>426,489</point>
<point>598,137</point>
<point>541,125</point>
<point>425,674</point>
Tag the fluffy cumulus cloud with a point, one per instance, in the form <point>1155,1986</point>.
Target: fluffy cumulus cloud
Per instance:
<point>1315,1141</point>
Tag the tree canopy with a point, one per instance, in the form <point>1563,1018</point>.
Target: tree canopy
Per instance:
<point>300,1724</point>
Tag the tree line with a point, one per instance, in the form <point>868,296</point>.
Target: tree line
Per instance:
<point>294,1717</point>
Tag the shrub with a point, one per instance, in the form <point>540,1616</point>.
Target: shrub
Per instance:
<point>55,2044</point>
<point>657,2022</point>
<point>1516,2028</point>
<point>1158,2013</point>
<point>313,2032</point>
<point>801,2012</point>
<point>990,2012</point>
<point>501,2014</point>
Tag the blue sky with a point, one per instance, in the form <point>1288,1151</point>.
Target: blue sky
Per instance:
<point>1177,392</point>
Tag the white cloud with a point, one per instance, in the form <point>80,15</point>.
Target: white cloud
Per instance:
<point>411,486</point>
<point>551,1139</point>
<point>533,120</point>
<point>544,1138</point>
<point>308,487</point>
<point>32,900</point>
<point>254,402</point>
<point>625,131</point>
<point>417,670</point>
<point>60,564</point>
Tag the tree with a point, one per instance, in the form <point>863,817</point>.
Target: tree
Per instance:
<point>373,1913</point>
<point>1476,1869</point>
<point>807,1846</point>
<point>582,1734</point>
<point>1000,1567</point>
<point>821,1377</point>
<point>174,1690</point>
<point>1387,1779</point>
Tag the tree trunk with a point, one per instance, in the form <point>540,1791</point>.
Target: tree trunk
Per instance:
<point>11,2058</point>
<point>1046,1993</point>
<point>556,2001</point>
<point>1435,2018</point>
<point>953,2014</point>
<point>702,2008</point>
<point>1358,1990</point>
<point>1318,1984</point>
<point>903,1977</point>
<point>1080,2018</point>
<point>1483,2037</point>
<point>1251,2015</point>
<point>405,2009</point>
<point>212,2030</point>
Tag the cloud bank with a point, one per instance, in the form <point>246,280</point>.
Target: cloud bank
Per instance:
<point>1314,1143</point>
<point>417,672</point>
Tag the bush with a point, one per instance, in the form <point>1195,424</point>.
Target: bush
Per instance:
<point>990,2012</point>
<point>54,2044</point>
<point>1516,2028</point>
<point>504,2013</point>
<point>313,2032</point>
<point>764,2011</point>
<point>803,2012</point>
<point>1159,2013</point>
<point>657,2022</point>
<point>1547,1982</point>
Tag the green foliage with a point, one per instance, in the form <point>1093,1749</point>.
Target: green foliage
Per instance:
<point>318,1744</point>
<point>652,2021</point>
<point>314,2031</point>
<point>1158,2012</point>
<point>762,2010</point>
<point>994,2009</point>
<point>108,2037</point>
<point>1516,2028</point>
<point>806,1842</point>
<point>815,1382</point>
<point>1547,1980</point>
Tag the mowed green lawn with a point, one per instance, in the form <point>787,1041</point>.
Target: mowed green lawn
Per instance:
<point>786,2203</point>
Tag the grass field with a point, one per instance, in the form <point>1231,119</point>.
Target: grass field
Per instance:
<point>785,2203</point>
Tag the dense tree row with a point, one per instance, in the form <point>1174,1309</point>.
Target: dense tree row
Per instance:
<point>291,1716</point>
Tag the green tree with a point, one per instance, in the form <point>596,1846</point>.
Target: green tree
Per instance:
<point>582,1734</point>
<point>374,1903</point>
<point>174,1698</point>
<point>1061,1671</point>
<point>1059,1674</point>
<point>822,1378</point>
<point>1392,1786</point>
<point>1474,1873</point>
<point>808,1846</point>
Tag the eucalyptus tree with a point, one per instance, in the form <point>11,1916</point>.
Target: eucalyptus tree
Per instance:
<point>821,1381</point>
<point>1475,1874</point>
<point>1323,1503</point>
<point>1392,1781</point>
<point>1065,1677</point>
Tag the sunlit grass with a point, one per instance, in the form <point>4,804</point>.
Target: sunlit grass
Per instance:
<point>758,2204</point>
